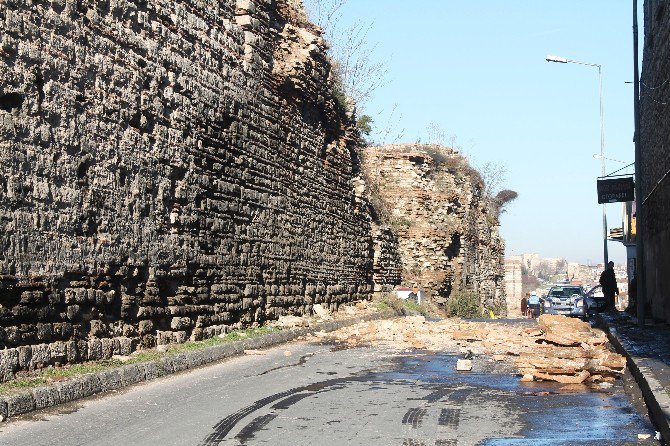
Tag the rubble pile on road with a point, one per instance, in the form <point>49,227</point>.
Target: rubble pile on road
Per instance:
<point>559,348</point>
<point>569,351</point>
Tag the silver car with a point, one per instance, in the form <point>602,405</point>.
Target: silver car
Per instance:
<point>595,301</point>
<point>567,300</point>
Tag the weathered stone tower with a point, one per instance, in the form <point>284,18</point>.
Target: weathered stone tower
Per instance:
<point>447,234</point>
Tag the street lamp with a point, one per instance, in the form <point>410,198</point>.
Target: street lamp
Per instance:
<point>558,59</point>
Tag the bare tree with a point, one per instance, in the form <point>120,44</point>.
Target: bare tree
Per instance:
<point>390,132</point>
<point>350,49</point>
<point>436,134</point>
<point>493,175</point>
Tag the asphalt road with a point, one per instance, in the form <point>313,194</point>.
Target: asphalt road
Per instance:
<point>307,394</point>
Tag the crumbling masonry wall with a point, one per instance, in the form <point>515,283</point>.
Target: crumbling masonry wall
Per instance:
<point>447,237</point>
<point>654,166</point>
<point>387,266</point>
<point>169,169</point>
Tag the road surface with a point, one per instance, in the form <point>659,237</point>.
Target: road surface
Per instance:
<point>318,394</point>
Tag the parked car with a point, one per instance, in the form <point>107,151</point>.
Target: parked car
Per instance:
<point>594,301</point>
<point>564,299</point>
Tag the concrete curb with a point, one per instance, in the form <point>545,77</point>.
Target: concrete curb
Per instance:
<point>642,369</point>
<point>90,384</point>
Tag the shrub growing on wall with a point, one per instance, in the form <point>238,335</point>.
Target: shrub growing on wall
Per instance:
<point>464,304</point>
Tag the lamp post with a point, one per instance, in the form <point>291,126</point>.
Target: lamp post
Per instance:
<point>558,59</point>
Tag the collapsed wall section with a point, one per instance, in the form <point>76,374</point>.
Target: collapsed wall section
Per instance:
<point>448,237</point>
<point>169,169</point>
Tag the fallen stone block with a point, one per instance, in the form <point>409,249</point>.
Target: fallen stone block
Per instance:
<point>564,379</point>
<point>464,365</point>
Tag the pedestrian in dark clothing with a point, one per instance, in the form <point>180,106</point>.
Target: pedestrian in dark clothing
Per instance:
<point>608,282</point>
<point>524,305</point>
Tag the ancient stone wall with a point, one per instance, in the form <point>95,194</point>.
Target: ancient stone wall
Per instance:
<point>655,162</point>
<point>387,266</point>
<point>447,236</point>
<point>169,169</point>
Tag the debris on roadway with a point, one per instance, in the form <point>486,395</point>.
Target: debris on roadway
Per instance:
<point>561,349</point>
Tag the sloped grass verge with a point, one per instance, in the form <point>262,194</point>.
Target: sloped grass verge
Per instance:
<point>49,375</point>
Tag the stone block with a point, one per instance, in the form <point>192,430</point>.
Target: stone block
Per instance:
<point>68,390</point>
<point>180,337</point>
<point>180,362</point>
<point>107,347</point>
<point>98,329</point>
<point>132,374</point>
<point>9,363</point>
<point>180,323</point>
<point>125,346</point>
<point>45,396</point>
<point>58,352</point>
<point>73,312</point>
<point>151,370</point>
<point>164,338</point>
<point>165,366</point>
<point>110,379</point>
<point>245,7</point>
<point>145,327</point>
<point>20,403</point>
<point>25,357</point>
<point>90,385</point>
<point>94,349</point>
<point>72,352</point>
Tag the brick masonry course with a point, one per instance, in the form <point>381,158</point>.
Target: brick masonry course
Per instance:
<point>91,384</point>
<point>169,170</point>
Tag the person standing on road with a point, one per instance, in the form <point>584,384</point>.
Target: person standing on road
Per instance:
<point>608,282</point>
<point>534,305</point>
<point>524,305</point>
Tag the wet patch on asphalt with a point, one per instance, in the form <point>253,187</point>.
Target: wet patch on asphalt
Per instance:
<point>535,413</point>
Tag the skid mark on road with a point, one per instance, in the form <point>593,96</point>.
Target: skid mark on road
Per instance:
<point>301,361</point>
<point>223,427</point>
<point>498,410</point>
<point>449,417</point>
<point>290,397</point>
<point>291,400</point>
<point>414,416</point>
<point>248,432</point>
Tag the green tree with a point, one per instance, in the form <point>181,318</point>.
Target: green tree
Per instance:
<point>364,124</point>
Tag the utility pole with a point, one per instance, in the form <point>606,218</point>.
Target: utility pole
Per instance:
<point>639,214</point>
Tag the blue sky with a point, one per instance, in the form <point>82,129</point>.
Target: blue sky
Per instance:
<point>478,71</point>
